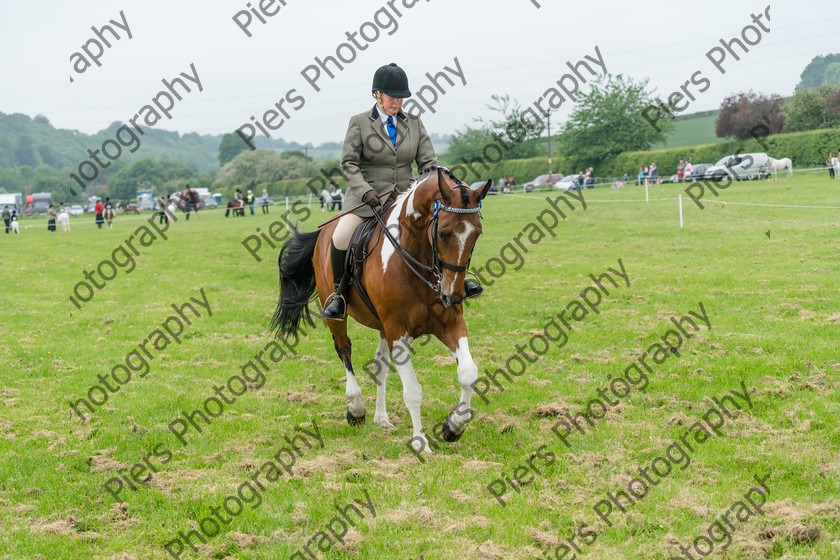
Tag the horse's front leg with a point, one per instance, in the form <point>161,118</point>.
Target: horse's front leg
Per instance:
<point>412,391</point>
<point>381,363</point>
<point>457,420</point>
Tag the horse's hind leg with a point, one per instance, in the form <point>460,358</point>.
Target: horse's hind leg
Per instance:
<point>355,404</point>
<point>381,363</point>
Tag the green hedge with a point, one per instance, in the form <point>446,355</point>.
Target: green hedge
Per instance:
<point>805,149</point>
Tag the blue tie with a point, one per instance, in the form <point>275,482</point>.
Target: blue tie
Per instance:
<point>392,131</point>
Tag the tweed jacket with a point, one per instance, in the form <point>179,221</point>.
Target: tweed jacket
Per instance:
<point>370,161</point>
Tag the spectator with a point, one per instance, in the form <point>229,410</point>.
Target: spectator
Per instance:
<point>654,177</point>
<point>616,183</point>
<point>624,180</point>
<point>98,209</point>
<point>680,169</point>
<point>335,195</point>
<point>164,218</point>
<point>51,218</point>
<point>829,163</point>
<point>264,201</point>
<point>6,217</point>
<point>641,178</point>
<point>250,200</point>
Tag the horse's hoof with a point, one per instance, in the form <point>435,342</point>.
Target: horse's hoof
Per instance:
<point>353,421</point>
<point>448,434</point>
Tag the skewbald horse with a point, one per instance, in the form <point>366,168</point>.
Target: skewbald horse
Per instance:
<point>416,288</point>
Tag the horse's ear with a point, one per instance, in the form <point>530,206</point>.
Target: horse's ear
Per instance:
<point>445,191</point>
<point>482,192</point>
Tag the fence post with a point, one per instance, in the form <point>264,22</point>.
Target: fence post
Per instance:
<point>647,199</point>
<point>681,215</point>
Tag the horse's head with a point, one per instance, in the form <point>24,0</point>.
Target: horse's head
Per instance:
<point>450,213</point>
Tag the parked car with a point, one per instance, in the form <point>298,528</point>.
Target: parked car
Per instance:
<point>543,180</point>
<point>568,183</point>
<point>699,171</point>
<point>739,167</point>
<point>494,188</point>
<point>76,210</point>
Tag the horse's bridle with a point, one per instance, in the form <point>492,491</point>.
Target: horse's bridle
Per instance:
<point>437,262</point>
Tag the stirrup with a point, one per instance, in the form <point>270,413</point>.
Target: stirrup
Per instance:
<point>342,302</point>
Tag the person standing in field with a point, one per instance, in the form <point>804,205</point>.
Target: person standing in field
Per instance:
<point>51,218</point>
<point>98,209</point>
<point>264,202</point>
<point>829,162</point>
<point>6,217</point>
<point>250,200</point>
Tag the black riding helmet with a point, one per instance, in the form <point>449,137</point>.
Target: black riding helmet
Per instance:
<point>391,80</point>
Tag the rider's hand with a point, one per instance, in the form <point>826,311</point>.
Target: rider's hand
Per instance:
<point>371,199</point>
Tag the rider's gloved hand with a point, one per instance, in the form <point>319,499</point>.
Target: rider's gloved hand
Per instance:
<point>371,199</point>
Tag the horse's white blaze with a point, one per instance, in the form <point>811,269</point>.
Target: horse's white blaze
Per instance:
<point>462,243</point>
<point>354,395</point>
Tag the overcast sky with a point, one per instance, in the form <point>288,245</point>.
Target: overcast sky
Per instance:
<point>502,47</point>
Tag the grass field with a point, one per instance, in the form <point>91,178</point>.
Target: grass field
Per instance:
<point>772,304</point>
<point>692,132</point>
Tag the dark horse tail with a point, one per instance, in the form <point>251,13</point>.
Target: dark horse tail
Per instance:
<point>297,283</point>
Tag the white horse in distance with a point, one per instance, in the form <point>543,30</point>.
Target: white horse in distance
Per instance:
<point>835,163</point>
<point>777,165</point>
<point>64,220</point>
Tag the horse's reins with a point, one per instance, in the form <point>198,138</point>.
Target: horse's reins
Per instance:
<point>437,262</point>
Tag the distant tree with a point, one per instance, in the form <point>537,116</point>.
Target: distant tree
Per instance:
<point>25,152</point>
<point>48,155</point>
<point>261,166</point>
<point>814,75</point>
<point>741,113</point>
<point>231,146</point>
<point>520,127</point>
<point>608,120</point>
<point>832,108</point>
<point>467,145</point>
<point>145,173</point>
<point>832,74</point>
<point>806,109</point>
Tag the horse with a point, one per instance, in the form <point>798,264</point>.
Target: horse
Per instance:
<point>414,280</point>
<point>835,163</point>
<point>777,165</point>
<point>130,208</point>
<point>238,207</point>
<point>64,220</point>
<point>108,214</point>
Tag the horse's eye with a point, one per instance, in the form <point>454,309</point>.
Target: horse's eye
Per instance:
<point>443,235</point>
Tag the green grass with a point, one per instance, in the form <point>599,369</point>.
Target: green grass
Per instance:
<point>691,132</point>
<point>773,307</point>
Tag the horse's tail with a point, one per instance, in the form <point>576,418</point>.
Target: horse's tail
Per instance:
<point>789,168</point>
<point>297,283</point>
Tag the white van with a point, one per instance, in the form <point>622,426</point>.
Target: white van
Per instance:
<point>739,167</point>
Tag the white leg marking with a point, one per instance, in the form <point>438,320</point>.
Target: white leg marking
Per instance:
<point>381,363</point>
<point>354,395</point>
<point>412,391</point>
<point>467,374</point>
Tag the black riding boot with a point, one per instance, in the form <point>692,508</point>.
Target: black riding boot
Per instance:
<point>472,289</point>
<point>337,307</point>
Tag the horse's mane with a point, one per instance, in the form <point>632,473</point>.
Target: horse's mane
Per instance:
<point>461,186</point>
